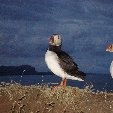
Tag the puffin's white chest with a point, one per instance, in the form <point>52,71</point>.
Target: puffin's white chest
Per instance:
<point>52,62</point>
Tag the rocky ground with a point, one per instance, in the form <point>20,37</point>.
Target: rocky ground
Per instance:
<point>15,98</point>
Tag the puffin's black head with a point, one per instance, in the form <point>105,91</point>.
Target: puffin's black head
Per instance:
<point>55,40</point>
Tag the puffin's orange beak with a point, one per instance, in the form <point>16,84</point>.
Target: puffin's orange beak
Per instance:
<point>51,40</point>
<point>109,48</point>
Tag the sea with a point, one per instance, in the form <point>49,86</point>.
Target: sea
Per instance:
<point>95,82</point>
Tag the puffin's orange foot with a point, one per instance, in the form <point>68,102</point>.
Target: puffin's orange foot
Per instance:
<point>55,87</point>
<point>62,84</point>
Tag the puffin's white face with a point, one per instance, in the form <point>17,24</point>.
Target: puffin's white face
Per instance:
<point>55,40</point>
<point>110,48</point>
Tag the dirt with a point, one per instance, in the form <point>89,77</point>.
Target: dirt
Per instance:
<point>15,98</point>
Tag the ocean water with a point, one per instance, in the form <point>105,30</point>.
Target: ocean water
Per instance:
<point>99,82</point>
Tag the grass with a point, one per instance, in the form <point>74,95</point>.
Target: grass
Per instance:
<point>15,98</point>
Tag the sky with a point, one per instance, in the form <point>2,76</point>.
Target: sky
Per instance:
<point>86,27</point>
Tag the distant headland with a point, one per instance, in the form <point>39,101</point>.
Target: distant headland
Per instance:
<point>20,70</point>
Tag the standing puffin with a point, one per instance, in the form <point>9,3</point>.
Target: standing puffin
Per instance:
<point>109,48</point>
<point>60,63</point>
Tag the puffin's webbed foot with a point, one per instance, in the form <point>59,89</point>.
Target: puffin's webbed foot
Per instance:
<point>62,84</point>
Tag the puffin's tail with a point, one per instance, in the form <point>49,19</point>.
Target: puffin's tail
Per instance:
<point>80,75</point>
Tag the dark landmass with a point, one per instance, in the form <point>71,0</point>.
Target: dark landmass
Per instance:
<point>17,70</point>
<point>15,98</point>
<point>21,70</point>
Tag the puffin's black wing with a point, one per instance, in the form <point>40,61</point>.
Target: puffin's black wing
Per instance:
<point>69,65</point>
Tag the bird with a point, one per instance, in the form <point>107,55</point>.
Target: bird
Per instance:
<point>109,48</point>
<point>60,63</point>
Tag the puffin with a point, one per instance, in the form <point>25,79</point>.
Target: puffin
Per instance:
<point>109,48</point>
<point>60,63</point>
